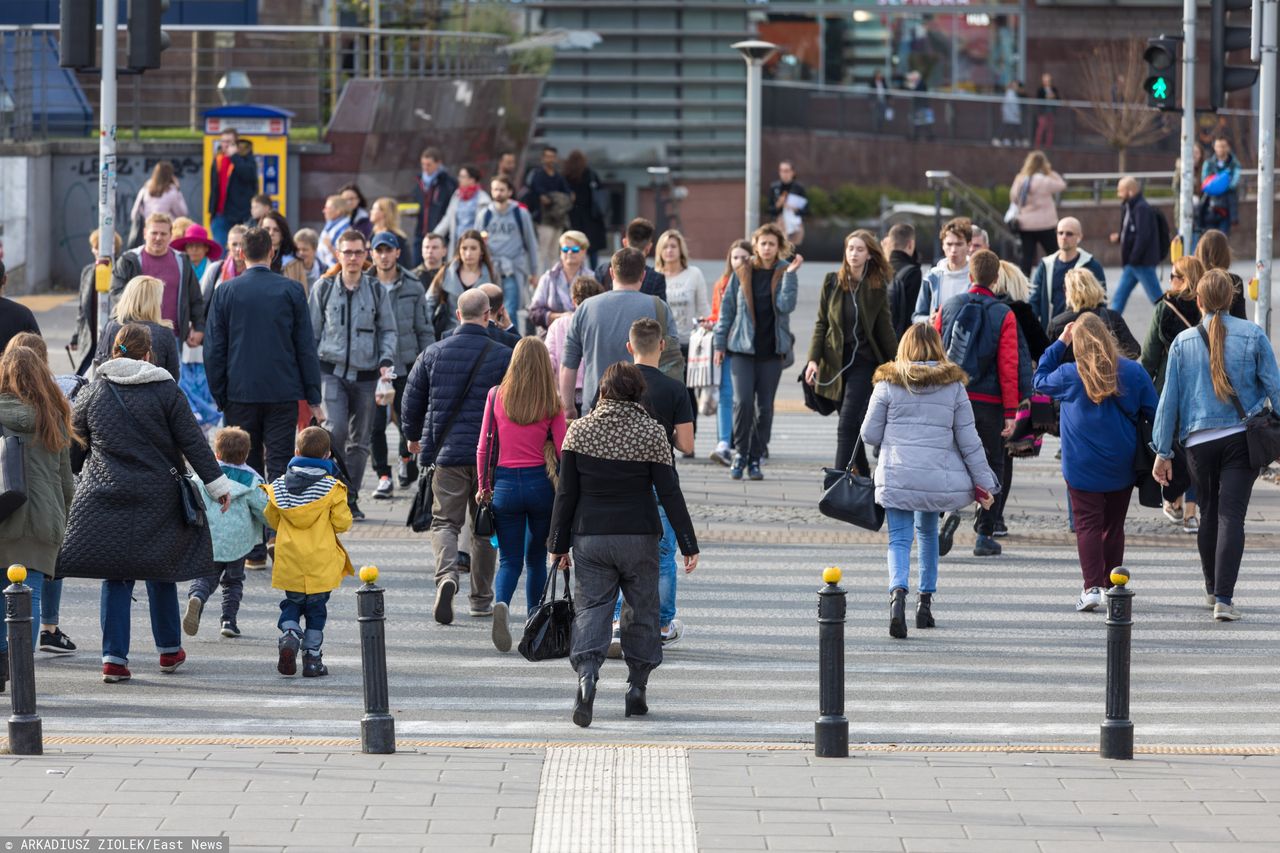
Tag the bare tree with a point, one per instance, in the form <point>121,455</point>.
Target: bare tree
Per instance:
<point>1111,81</point>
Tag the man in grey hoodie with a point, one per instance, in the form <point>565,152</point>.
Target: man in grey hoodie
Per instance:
<point>513,244</point>
<point>950,277</point>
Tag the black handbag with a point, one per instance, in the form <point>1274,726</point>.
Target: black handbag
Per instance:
<point>484,524</point>
<point>549,629</point>
<point>419,520</point>
<point>1262,431</point>
<point>850,497</point>
<point>13,474</point>
<point>1150,493</point>
<point>190,501</point>
<point>814,401</point>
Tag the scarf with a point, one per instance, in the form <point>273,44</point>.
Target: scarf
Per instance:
<point>468,193</point>
<point>621,431</point>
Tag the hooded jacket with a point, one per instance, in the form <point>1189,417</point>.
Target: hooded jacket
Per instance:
<point>444,312</point>
<point>308,509</point>
<point>930,298</point>
<point>236,531</point>
<point>414,334</point>
<point>190,296</point>
<point>32,534</point>
<point>930,454</point>
<point>1048,294</point>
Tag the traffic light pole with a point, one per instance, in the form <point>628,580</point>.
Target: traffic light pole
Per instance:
<point>107,151</point>
<point>1266,162</point>
<point>1186,180</point>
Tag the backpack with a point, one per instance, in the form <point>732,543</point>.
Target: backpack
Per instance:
<point>965,342</point>
<point>1163,237</point>
<point>672,362</point>
<point>487,217</point>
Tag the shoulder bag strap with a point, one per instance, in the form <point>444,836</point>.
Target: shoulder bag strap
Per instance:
<point>173,469</point>
<point>462,400</point>
<point>491,445</point>
<point>1169,304</point>
<point>1235,401</point>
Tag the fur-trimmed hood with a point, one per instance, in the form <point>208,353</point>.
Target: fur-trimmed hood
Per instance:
<point>131,371</point>
<point>929,374</point>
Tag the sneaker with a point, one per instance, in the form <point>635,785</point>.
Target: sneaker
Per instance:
<point>289,644</point>
<point>672,633</point>
<point>443,611</point>
<point>985,546</point>
<point>738,467</point>
<point>191,618</point>
<point>56,642</point>
<point>384,490</point>
<point>754,472</point>
<point>722,455</point>
<point>501,630</point>
<point>114,672</point>
<point>255,565</point>
<point>1090,599</point>
<point>1191,524</point>
<point>1225,612</point>
<point>615,643</point>
<point>313,666</point>
<point>1000,530</point>
<point>947,535</point>
<point>407,472</point>
<point>480,612</point>
<point>172,660</point>
<point>356,514</point>
<point>1210,600</point>
<point>230,629</point>
<point>1172,511</point>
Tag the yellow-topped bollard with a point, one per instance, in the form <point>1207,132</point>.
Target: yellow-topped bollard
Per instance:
<point>1119,576</point>
<point>17,573</point>
<point>831,574</point>
<point>25,733</point>
<point>377,727</point>
<point>369,574</point>
<point>831,731</point>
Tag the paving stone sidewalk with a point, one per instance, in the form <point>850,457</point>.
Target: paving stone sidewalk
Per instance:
<point>537,798</point>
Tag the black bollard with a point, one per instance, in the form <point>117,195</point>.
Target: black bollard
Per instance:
<point>831,731</point>
<point>25,734</point>
<point>377,727</point>
<point>1117,728</point>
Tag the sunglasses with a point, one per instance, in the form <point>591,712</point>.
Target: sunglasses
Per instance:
<point>573,249</point>
<point>1179,276</point>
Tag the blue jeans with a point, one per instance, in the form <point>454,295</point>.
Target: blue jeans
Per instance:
<point>724,410</point>
<point>1130,276</point>
<point>522,500</point>
<point>667,573</point>
<point>50,600</point>
<point>511,296</point>
<point>903,525</point>
<point>219,225</point>
<point>37,586</point>
<point>117,600</point>
<point>298,606</point>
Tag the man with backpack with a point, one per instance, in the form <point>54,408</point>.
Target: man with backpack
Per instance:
<point>1144,243</point>
<point>980,334</point>
<point>513,244</point>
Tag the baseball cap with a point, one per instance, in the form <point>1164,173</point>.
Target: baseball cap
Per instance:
<point>385,238</point>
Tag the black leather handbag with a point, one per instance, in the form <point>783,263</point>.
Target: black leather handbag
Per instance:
<point>1149,492</point>
<point>850,497</point>
<point>484,524</point>
<point>190,501</point>
<point>549,628</point>
<point>13,474</point>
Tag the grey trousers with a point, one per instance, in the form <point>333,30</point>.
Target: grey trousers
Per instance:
<point>348,413</point>
<point>454,500</point>
<point>602,565</point>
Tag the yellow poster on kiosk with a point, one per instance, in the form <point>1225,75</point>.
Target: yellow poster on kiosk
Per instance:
<point>266,130</point>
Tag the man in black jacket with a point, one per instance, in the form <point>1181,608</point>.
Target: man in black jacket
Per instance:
<point>432,190</point>
<point>905,287</point>
<point>233,182</point>
<point>183,300</point>
<point>501,329</point>
<point>1140,244</point>
<point>260,356</point>
<point>14,316</point>
<point>788,203</point>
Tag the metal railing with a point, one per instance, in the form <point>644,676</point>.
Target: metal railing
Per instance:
<point>301,69</point>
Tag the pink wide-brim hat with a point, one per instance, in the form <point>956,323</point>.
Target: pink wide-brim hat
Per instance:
<point>197,234</point>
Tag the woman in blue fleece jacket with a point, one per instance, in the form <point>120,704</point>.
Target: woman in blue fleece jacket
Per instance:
<point>1102,395</point>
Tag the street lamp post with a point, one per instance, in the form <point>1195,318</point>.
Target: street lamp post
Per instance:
<point>755,52</point>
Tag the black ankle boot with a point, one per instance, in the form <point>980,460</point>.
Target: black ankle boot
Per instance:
<point>636,704</point>
<point>898,614</point>
<point>924,610</point>
<point>4,670</point>
<point>584,699</point>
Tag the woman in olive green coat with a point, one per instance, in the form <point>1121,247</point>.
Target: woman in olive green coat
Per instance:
<point>852,336</point>
<point>33,409</point>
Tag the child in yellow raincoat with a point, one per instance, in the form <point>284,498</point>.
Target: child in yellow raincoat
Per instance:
<point>307,509</point>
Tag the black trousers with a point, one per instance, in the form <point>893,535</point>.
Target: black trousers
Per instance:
<point>271,428</point>
<point>755,384</point>
<point>1006,483</point>
<point>989,420</point>
<point>378,441</point>
<point>1046,240</point>
<point>1224,482</point>
<point>853,409</point>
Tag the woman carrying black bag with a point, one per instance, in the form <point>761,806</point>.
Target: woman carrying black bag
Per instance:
<point>612,462</point>
<point>1209,381</point>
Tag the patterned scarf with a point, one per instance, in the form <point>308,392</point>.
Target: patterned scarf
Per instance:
<point>621,431</point>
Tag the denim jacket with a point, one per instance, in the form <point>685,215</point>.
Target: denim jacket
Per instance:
<point>735,331</point>
<point>1188,402</point>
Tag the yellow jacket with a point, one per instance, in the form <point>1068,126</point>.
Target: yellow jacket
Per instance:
<point>307,518</point>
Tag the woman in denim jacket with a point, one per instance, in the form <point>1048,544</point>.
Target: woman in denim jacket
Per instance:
<point>1232,357</point>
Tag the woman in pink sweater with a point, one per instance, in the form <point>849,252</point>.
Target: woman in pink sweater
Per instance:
<point>1033,192</point>
<point>520,441</point>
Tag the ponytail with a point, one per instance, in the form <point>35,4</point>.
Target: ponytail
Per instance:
<point>1215,291</point>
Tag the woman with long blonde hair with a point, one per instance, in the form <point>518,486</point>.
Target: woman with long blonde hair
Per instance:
<point>1216,376</point>
<point>520,439</point>
<point>385,214</point>
<point>931,461</point>
<point>140,302</point>
<point>1033,192</point>
<point>1102,395</point>
<point>1086,296</point>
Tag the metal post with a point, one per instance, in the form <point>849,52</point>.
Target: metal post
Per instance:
<point>25,735</point>
<point>106,160</point>
<point>1187,180</point>
<point>1117,729</point>
<point>375,40</point>
<point>1266,164</point>
<point>377,727</point>
<point>754,75</point>
<point>831,731</point>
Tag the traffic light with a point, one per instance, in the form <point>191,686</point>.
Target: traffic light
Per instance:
<point>1161,84</point>
<point>78,34</point>
<point>1224,39</point>
<point>146,39</point>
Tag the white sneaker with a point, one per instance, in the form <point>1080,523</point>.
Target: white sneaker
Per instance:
<point>1225,612</point>
<point>384,490</point>
<point>1090,599</point>
<point>1210,600</point>
<point>615,643</point>
<point>673,633</point>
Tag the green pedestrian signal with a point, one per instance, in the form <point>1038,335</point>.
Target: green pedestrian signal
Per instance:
<point>1160,89</point>
<point>1162,72</point>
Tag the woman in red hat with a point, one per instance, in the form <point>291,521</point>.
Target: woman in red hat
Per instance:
<point>200,251</point>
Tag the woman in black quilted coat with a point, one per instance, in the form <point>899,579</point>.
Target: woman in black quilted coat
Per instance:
<point>126,520</point>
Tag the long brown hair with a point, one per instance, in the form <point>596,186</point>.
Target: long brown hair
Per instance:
<point>1191,270</point>
<point>745,245</point>
<point>486,262</point>
<point>1097,357</point>
<point>920,343</point>
<point>1214,250</point>
<point>26,376</point>
<point>575,166</point>
<point>877,273</point>
<point>162,178</point>
<point>528,390</point>
<point>1214,293</point>
<point>785,248</point>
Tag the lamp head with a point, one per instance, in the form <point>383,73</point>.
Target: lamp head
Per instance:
<point>755,50</point>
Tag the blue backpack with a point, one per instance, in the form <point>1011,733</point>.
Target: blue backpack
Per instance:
<point>965,342</point>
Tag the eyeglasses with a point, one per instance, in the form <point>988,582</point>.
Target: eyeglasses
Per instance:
<point>574,249</point>
<point>351,253</point>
